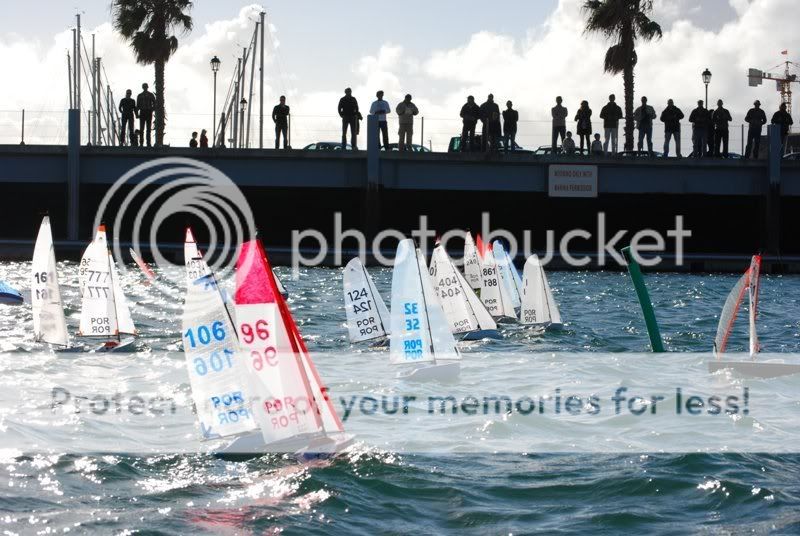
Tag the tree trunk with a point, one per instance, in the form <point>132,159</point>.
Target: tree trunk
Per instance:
<point>627,76</point>
<point>160,118</point>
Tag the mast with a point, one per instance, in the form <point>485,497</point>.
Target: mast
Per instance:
<point>425,306</point>
<point>95,121</point>
<point>69,74</point>
<point>77,57</point>
<point>252,75</point>
<point>261,89</point>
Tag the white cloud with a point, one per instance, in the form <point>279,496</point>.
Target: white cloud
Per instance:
<point>556,58</point>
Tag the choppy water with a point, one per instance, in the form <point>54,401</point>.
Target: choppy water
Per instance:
<point>167,486</point>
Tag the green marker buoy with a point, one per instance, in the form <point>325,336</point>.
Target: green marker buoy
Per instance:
<point>644,300</point>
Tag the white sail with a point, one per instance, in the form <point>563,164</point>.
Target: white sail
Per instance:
<point>472,263</point>
<point>367,315</point>
<point>49,323</point>
<point>216,372</point>
<point>98,310</point>
<point>452,296</point>
<point>485,320</point>
<point>538,305</point>
<point>410,340</point>
<point>123,312</point>
<point>444,345</point>
<point>493,292</point>
<point>508,273</point>
<point>192,259</point>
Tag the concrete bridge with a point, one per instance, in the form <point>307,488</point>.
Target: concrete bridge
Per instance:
<point>733,208</point>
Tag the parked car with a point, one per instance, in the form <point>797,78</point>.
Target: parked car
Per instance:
<point>326,146</point>
<point>414,148</point>
<point>545,150</point>
<point>455,146</point>
<point>792,156</point>
<point>640,154</point>
<point>731,156</point>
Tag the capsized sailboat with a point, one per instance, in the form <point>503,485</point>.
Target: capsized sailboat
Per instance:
<point>104,310</point>
<point>539,308</point>
<point>215,365</point>
<point>421,339</point>
<point>494,293</point>
<point>465,313</point>
<point>747,286</point>
<point>9,295</point>
<point>49,322</point>
<point>367,315</point>
<point>290,404</point>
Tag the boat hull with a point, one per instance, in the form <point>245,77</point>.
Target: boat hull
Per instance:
<point>435,372</point>
<point>304,447</point>
<point>481,334</point>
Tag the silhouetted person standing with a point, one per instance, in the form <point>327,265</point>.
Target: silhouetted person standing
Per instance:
<point>584,125</point>
<point>381,108</point>
<point>470,113</point>
<point>490,115</point>
<point>280,116</point>
<point>559,114</point>
<point>406,111</point>
<point>700,119</point>
<point>145,105</point>
<point>204,139</point>
<point>611,114</point>
<point>193,141</point>
<point>671,117</point>
<point>784,119</point>
<point>720,119</point>
<point>348,111</point>
<point>510,119</point>
<point>127,111</point>
<point>755,118</point>
<point>644,117</point>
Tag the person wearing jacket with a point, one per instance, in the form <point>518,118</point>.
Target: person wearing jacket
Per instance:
<point>611,114</point>
<point>720,119</point>
<point>348,111</point>
<point>559,114</point>
<point>145,105</point>
<point>280,116</point>
<point>701,121</point>
<point>755,118</point>
<point>510,119</point>
<point>784,119</point>
<point>127,110</point>
<point>470,113</point>
<point>490,116</point>
<point>584,125</point>
<point>671,117</point>
<point>406,111</point>
<point>644,116</point>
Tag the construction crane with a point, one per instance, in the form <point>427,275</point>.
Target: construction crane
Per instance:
<point>783,81</point>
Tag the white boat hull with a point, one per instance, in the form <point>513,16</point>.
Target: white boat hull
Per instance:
<point>304,447</point>
<point>440,371</point>
<point>755,369</point>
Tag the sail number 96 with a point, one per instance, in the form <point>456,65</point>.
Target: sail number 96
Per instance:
<point>251,332</point>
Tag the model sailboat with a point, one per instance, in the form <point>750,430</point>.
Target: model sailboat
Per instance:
<point>421,339</point>
<point>472,264</point>
<point>290,404</point>
<point>539,308</point>
<point>747,286</point>
<point>509,276</point>
<point>367,315</point>
<point>104,311</point>
<point>465,313</point>
<point>49,322</point>
<point>494,292</point>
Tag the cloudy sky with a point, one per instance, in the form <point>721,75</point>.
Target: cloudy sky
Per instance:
<point>526,51</point>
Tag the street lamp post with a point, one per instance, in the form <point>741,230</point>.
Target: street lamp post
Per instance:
<point>243,106</point>
<point>214,68</point>
<point>706,81</point>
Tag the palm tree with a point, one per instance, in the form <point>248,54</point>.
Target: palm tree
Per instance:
<point>149,26</point>
<point>622,21</point>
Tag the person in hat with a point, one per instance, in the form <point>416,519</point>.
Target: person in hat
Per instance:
<point>784,119</point>
<point>755,118</point>
<point>145,104</point>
